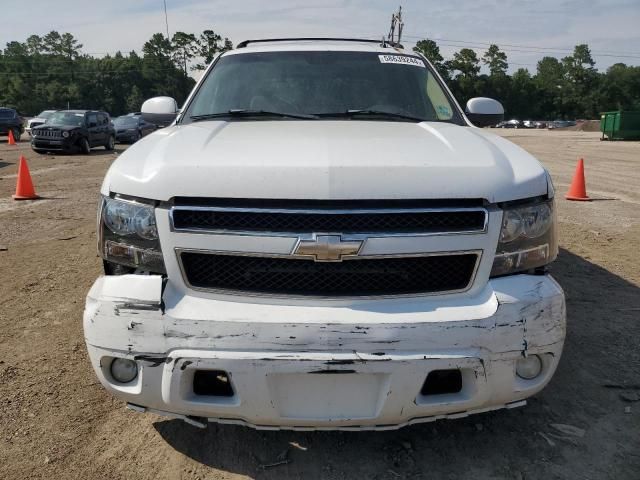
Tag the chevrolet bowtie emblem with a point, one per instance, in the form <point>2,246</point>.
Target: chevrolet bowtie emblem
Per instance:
<point>328,248</point>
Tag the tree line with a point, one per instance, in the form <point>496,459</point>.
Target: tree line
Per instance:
<point>51,71</point>
<point>566,88</point>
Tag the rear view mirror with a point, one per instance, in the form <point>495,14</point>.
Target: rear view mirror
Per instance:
<point>161,111</point>
<point>484,112</point>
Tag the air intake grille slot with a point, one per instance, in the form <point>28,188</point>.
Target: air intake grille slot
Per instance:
<point>354,277</point>
<point>47,133</point>
<point>323,221</point>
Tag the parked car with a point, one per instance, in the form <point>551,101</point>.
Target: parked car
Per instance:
<point>131,128</point>
<point>40,119</point>
<point>561,124</point>
<point>74,131</point>
<point>318,241</point>
<point>540,124</point>
<point>509,124</point>
<point>10,119</point>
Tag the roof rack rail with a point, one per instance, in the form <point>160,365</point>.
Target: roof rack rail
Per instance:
<point>314,39</point>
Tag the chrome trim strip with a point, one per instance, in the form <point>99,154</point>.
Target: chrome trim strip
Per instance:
<point>221,291</point>
<point>354,236</point>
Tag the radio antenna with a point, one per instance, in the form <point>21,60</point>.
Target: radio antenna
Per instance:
<point>396,23</point>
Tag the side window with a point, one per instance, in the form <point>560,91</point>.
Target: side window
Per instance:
<point>438,99</point>
<point>92,120</point>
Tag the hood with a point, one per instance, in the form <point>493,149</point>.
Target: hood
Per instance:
<point>324,160</point>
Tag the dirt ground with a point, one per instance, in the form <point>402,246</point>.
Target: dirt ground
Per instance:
<point>57,422</point>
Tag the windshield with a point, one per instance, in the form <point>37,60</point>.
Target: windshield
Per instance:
<point>46,114</point>
<point>324,84</point>
<point>66,118</point>
<point>6,114</point>
<point>125,122</point>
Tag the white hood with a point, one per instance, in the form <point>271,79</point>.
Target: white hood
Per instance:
<point>321,159</point>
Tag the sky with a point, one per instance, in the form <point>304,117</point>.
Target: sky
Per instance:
<point>526,29</point>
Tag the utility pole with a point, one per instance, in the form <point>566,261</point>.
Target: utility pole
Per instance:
<point>396,22</point>
<point>166,19</point>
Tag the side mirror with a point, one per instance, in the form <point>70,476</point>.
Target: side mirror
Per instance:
<point>484,112</point>
<point>161,111</point>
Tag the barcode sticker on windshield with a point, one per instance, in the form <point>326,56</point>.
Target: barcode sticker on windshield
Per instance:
<point>401,60</point>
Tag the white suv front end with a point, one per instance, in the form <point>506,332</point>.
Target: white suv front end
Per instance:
<point>311,270</point>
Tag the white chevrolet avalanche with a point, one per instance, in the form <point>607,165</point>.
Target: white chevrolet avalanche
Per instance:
<point>322,239</point>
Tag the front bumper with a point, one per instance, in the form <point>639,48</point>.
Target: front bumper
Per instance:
<point>53,144</point>
<point>4,129</point>
<point>352,365</point>
<point>126,136</point>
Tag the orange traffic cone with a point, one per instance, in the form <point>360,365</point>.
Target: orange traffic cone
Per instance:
<point>578,188</point>
<point>12,141</point>
<point>24,187</point>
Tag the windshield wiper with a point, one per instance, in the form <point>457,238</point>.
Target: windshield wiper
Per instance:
<point>374,113</point>
<point>252,113</point>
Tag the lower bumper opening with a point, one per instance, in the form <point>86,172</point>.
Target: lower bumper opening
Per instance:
<point>212,383</point>
<point>440,382</point>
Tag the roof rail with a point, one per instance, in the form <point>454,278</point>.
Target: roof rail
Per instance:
<point>315,39</point>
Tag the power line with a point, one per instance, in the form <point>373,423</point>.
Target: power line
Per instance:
<point>562,49</point>
<point>90,72</point>
<point>518,48</point>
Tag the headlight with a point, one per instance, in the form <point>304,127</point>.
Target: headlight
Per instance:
<point>65,134</point>
<point>528,238</point>
<point>128,234</point>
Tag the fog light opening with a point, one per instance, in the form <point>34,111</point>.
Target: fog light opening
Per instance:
<point>123,370</point>
<point>529,367</point>
<point>212,383</point>
<point>440,382</point>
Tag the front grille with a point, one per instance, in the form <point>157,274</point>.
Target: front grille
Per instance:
<point>47,133</point>
<point>400,221</point>
<point>355,277</point>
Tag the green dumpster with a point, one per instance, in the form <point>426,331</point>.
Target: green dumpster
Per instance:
<point>620,125</point>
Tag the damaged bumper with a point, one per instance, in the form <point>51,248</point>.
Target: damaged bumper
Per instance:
<point>348,365</point>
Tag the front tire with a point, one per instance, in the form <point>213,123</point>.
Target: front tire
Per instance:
<point>111,143</point>
<point>84,146</point>
<point>16,134</point>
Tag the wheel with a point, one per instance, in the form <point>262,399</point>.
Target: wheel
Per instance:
<point>84,146</point>
<point>110,145</point>
<point>16,134</point>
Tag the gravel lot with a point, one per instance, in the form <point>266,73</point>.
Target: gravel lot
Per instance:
<point>57,422</point>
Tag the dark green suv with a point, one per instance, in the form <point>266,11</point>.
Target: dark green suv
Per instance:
<point>74,131</point>
<point>10,119</point>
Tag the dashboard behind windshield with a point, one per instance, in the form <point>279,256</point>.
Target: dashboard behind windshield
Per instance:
<point>66,118</point>
<point>323,83</point>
